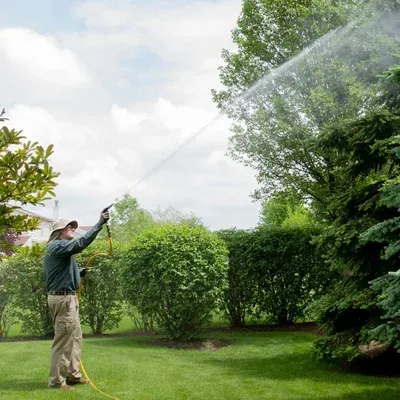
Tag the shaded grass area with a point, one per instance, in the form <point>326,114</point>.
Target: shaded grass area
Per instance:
<point>258,365</point>
<point>125,326</point>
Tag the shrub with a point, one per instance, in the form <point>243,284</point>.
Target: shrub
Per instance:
<point>7,299</point>
<point>240,296</point>
<point>178,274</point>
<point>30,288</point>
<point>274,272</point>
<point>101,298</point>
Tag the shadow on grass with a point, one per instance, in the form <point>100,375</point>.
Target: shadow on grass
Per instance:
<point>367,394</point>
<point>293,366</point>
<point>22,385</point>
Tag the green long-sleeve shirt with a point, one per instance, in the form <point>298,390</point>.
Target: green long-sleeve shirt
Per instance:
<point>59,264</point>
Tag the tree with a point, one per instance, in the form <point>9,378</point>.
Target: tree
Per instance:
<point>129,219</point>
<point>25,178</point>
<point>322,125</point>
<point>364,160</point>
<point>387,232</point>
<point>171,215</point>
<point>285,209</point>
<point>177,273</point>
<point>277,120</point>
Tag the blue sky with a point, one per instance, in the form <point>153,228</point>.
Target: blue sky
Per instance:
<point>116,86</point>
<point>44,16</point>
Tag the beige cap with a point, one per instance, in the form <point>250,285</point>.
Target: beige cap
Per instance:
<point>59,226</point>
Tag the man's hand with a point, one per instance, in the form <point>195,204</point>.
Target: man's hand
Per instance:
<point>104,217</point>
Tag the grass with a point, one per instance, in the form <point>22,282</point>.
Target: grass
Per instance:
<point>125,326</point>
<point>270,365</point>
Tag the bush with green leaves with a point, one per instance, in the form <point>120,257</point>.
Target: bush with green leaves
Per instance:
<point>177,273</point>
<point>275,273</point>
<point>26,265</point>
<point>101,298</point>
<point>240,296</point>
<point>7,296</point>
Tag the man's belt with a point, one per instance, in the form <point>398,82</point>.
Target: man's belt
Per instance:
<point>57,293</point>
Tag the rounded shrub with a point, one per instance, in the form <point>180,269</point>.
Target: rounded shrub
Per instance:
<point>177,273</point>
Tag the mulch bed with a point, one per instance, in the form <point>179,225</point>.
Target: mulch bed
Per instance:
<point>197,344</point>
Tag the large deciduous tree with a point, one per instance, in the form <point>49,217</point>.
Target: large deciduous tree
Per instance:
<point>276,122</point>
<point>129,219</point>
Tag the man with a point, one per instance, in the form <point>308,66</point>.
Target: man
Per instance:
<point>63,279</point>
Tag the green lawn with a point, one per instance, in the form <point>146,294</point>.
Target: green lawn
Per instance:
<point>273,365</point>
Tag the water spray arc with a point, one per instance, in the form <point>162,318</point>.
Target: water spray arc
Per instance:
<point>243,96</point>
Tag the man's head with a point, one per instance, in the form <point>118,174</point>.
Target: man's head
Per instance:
<point>63,229</point>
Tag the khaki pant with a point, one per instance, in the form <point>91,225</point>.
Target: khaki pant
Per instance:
<point>66,348</point>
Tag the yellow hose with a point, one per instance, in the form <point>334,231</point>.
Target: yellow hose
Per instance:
<point>88,262</point>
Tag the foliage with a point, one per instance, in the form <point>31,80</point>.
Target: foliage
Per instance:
<point>322,125</point>
<point>277,120</point>
<point>344,314</point>
<point>178,273</point>
<point>363,162</point>
<point>289,270</point>
<point>171,215</point>
<point>285,209</point>
<point>25,178</point>
<point>387,232</point>
<point>129,219</point>
<point>240,296</point>
<point>7,242</point>
<point>275,272</point>
<point>101,298</point>
<point>388,329</point>
<point>141,322</point>
<point>7,305</point>
<point>26,267</point>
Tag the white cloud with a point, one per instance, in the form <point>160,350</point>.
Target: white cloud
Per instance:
<point>127,121</point>
<point>186,38</point>
<point>41,57</point>
<point>152,65</point>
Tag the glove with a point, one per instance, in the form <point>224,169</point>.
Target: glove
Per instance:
<point>104,217</point>
<point>82,272</point>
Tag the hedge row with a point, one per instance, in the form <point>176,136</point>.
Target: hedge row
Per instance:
<point>178,276</point>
